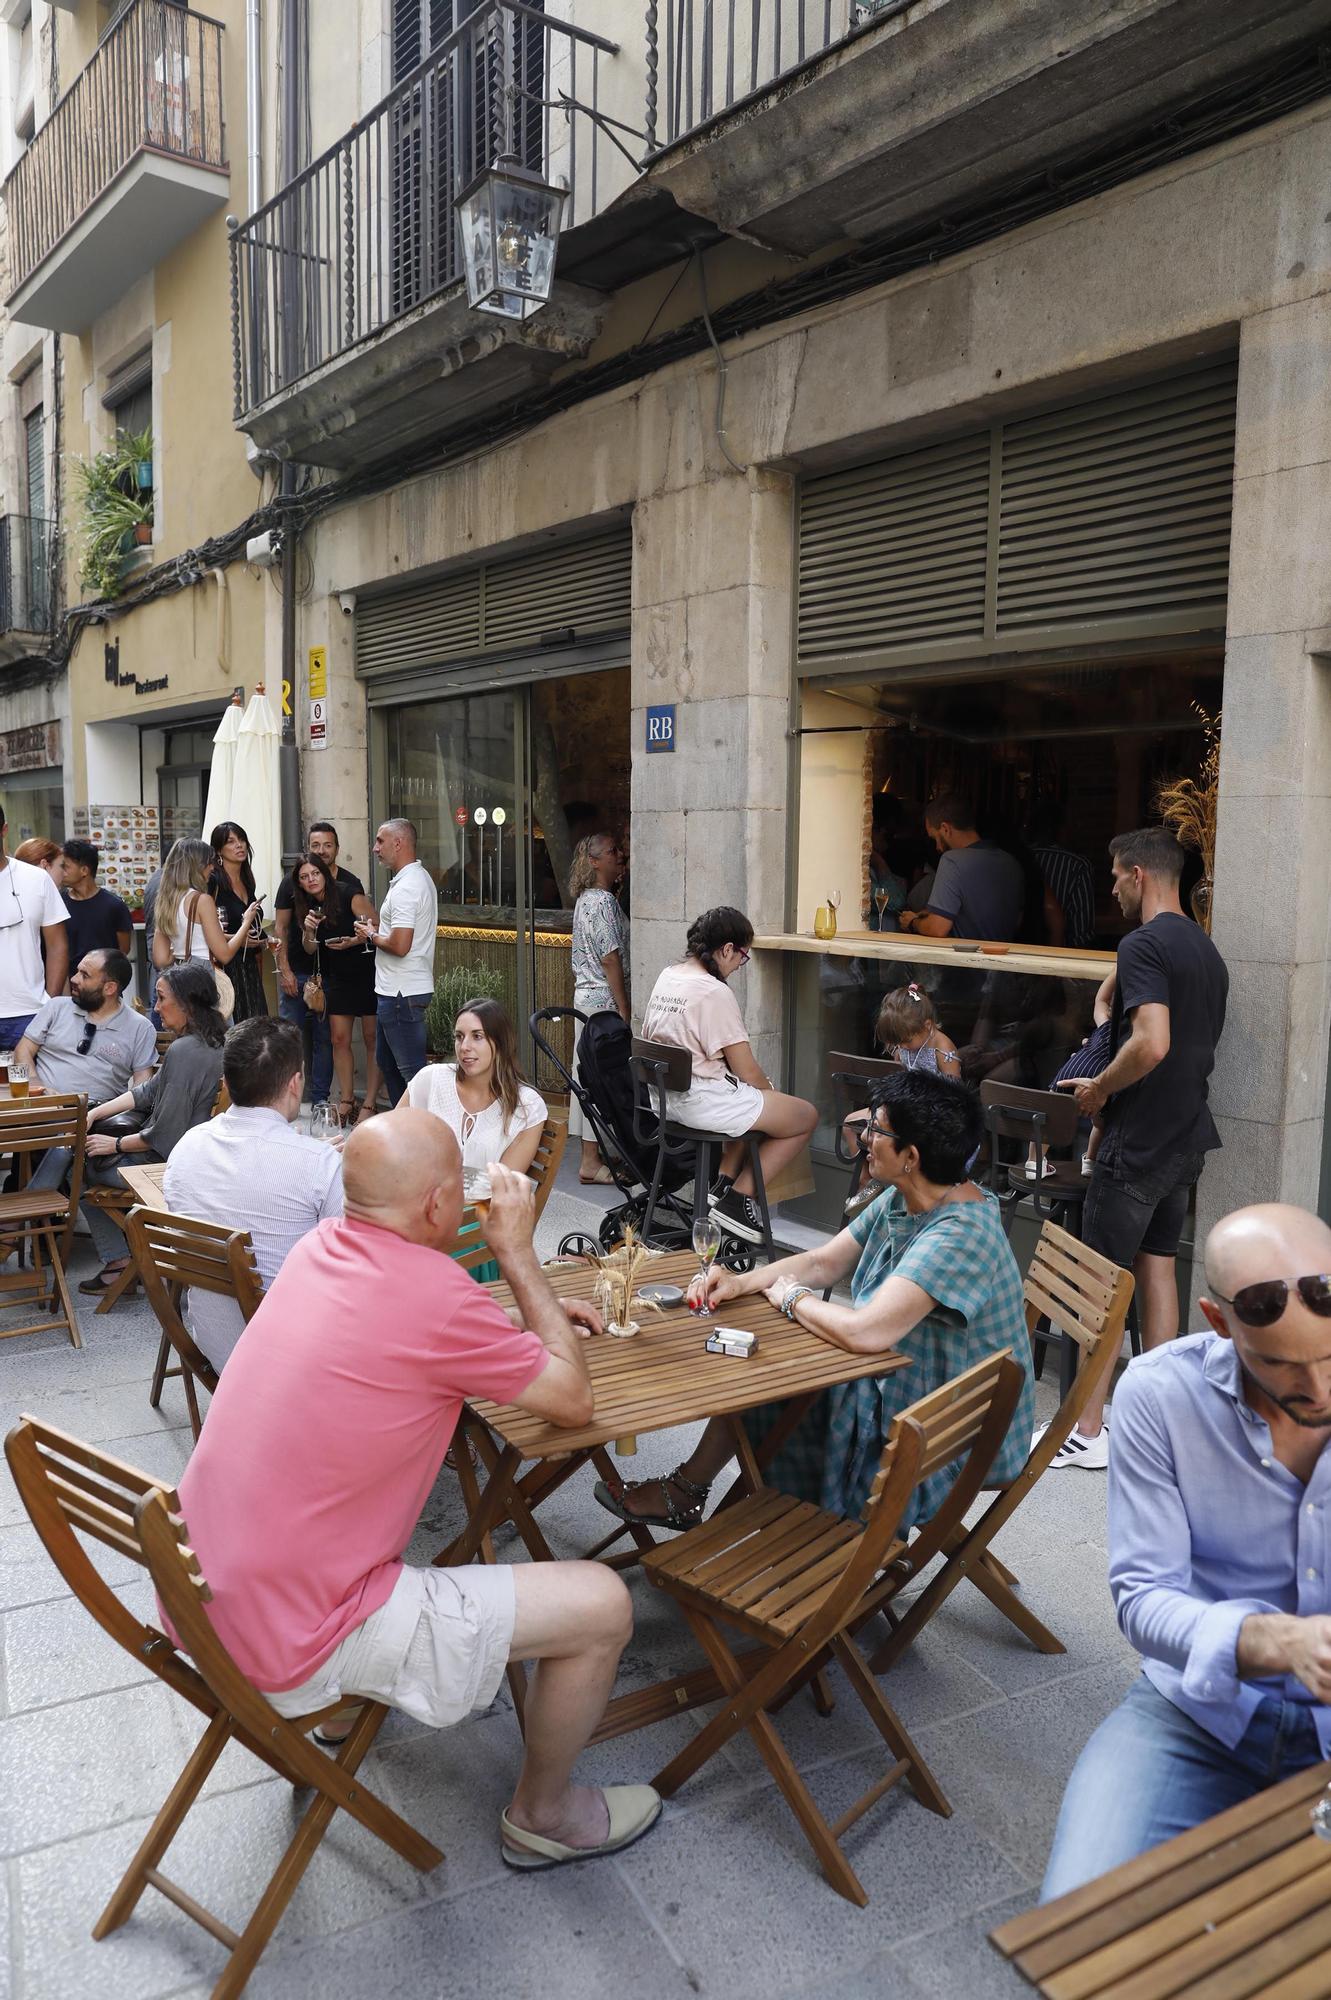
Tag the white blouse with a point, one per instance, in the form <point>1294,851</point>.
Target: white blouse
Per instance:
<point>482,1135</point>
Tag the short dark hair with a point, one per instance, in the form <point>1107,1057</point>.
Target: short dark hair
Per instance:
<point>116,967</point>
<point>712,929</point>
<point>259,1059</point>
<point>955,808</point>
<point>935,1114</point>
<point>1153,849</point>
<point>83,852</point>
<point>324,826</point>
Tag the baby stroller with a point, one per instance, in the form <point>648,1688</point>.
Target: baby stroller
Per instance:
<point>604,1088</point>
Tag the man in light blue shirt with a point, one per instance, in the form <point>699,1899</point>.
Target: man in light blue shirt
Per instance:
<point>1219,1553</point>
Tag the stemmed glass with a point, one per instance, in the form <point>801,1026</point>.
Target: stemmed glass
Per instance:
<point>706,1243</point>
<point>326,1124</point>
<point>880,896</point>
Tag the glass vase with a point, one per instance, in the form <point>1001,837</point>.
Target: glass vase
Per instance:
<point>1201,902</point>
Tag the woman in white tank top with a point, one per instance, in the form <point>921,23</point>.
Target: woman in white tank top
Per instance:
<point>186,918</point>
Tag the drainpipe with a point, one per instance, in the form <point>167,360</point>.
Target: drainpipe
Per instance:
<point>292,819</point>
<point>254,102</point>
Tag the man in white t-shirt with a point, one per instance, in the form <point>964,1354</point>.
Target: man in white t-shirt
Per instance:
<point>404,955</point>
<point>34,924</point>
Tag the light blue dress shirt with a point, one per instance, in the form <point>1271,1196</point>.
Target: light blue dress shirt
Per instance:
<point>1206,1528</point>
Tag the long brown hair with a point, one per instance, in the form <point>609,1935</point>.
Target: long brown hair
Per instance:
<point>506,1076</point>
<point>301,901</point>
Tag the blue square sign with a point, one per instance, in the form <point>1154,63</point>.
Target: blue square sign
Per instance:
<point>661,727</point>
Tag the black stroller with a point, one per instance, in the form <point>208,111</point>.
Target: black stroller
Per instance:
<point>626,1135</point>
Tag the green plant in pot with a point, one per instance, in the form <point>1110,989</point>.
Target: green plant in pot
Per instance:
<point>117,511</point>
<point>452,990</point>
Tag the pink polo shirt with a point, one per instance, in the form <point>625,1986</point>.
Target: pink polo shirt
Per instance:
<point>327,1432</point>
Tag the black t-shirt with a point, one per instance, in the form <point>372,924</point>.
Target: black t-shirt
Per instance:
<point>1172,962</point>
<point>297,957</point>
<point>94,923</point>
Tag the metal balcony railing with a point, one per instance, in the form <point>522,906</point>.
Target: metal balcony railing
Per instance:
<point>154,85</point>
<point>26,551</point>
<point>368,232</point>
<point>703,56</point>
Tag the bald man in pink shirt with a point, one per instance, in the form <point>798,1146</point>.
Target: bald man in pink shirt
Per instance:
<point>327,1432</point>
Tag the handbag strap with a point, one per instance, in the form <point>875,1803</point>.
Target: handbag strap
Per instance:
<point>189,923</point>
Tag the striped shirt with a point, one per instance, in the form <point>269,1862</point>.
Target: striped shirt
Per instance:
<point>1069,879</point>
<point>250,1170</point>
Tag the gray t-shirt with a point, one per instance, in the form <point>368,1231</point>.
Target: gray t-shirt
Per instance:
<point>119,1046</point>
<point>982,889</point>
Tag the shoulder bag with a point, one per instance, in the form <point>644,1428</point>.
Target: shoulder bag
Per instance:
<point>226,992</point>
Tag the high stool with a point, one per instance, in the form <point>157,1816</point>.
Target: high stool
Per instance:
<point>658,1067</point>
<point>1042,1118</point>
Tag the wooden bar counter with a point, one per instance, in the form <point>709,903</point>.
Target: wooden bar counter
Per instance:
<point>1052,962</point>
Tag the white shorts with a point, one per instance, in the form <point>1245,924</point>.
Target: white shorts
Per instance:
<point>716,1104</point>
<point>437,1649</point>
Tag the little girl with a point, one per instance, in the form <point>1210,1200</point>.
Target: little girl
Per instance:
<point>1091,1059</point>
<point>909,1032</point>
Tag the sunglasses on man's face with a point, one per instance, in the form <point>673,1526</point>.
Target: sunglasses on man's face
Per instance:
<point>1263,1304</point>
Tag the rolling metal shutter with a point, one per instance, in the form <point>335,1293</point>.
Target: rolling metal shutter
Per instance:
<point>581,590</point>
<point>1108,517</point>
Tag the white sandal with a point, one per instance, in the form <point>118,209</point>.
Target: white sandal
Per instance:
<point>633,1809</point>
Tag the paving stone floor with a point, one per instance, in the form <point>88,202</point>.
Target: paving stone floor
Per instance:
<point>721,1900</point>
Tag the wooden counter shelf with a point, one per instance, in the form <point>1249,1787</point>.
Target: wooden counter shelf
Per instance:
<point>1051,962</point>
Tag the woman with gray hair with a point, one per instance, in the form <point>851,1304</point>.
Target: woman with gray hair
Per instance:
<point>600,960</point>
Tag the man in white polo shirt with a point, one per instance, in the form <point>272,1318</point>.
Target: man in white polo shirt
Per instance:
<point>404,955</point>
<point>33,923</point>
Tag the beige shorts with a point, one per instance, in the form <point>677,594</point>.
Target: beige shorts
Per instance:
<point>716,1104</point>
<point>436,1649</point>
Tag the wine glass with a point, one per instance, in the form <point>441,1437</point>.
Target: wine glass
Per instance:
<point>326,1124</point>
<point>880,896</point>
<point>706,1243</point>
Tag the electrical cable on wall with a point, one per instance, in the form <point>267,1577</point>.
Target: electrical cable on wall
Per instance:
<point>726,452</point>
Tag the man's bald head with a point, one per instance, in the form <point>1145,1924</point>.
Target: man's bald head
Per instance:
<point>1272,1239</point>
<point>405,1174</point>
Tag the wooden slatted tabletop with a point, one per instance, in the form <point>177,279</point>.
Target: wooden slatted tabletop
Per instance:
<point>1239,1905</point>
<point>145,1183</point>
<point>663,1377</point>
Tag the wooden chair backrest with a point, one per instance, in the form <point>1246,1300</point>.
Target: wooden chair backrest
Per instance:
<point>1013,1112</point>
<point>853,1081</point>
<point>651,1060</point>
<point>34,1124</point>
<point>1088,1297</point>
<point>222,1101</point>
<point>176,1252</point>
<point>964,1419</point>
<point>549,1153</point>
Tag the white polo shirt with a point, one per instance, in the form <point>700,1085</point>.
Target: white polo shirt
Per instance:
<point>412,902</point>
<point>28,899</point>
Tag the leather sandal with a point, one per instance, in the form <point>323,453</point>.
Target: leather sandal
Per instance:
<point>104,1281</point>
<point>678,1518</point>
<point>633,1809</point>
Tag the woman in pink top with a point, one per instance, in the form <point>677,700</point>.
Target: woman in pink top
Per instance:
<point>693,1008</point>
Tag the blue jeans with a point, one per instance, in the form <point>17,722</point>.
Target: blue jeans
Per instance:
<point>1150,1772</point>
<point>13,1027</point>
<point>399,1042</point>
<point>318,1040</point>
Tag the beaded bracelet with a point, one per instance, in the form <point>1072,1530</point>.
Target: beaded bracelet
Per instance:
<point>793,1297</point>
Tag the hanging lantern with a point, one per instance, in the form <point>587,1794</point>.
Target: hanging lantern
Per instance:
<point>510,231</point>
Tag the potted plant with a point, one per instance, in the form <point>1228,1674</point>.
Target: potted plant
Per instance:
<point>117,511</point>
<point>1188,805</point>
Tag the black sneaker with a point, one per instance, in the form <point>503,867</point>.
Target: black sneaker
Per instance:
<point>739,1215</point>
<point>719,1189</point>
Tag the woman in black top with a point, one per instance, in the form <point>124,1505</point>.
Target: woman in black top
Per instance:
<point>232,886</point>
<point>323,918</point>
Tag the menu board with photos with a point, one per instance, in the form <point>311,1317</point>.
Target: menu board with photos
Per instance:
<point>129,838</point>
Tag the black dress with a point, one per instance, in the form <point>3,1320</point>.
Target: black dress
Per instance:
<point>245,970</point>
<point>348,976</point>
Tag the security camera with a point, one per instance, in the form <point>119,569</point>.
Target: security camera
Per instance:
<point>347,599</point>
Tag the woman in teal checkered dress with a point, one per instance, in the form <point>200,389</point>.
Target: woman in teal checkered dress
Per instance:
<point>932,1276</point>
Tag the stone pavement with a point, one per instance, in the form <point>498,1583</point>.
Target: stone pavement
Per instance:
<point>721,1900</point>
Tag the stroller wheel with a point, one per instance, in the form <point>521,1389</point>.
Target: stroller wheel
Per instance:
<point>611,1232</point>
<point>578,1245</point>
<point>736,1256</point>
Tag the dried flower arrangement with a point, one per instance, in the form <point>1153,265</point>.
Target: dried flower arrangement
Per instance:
<point>618,1272</point>
<point>1188,805</point>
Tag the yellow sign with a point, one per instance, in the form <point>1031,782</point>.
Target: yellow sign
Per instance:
<point>318,673</point>
<point>286,697</point>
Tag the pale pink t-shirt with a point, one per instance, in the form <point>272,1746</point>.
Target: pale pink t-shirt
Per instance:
<point>326,1434</point>
<point>691,1010</point>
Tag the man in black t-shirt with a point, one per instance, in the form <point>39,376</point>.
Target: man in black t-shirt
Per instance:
<point>1169,1009</point>
<point>294,965</point>
<point>98,921</point>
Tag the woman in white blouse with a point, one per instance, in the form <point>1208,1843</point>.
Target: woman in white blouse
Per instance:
<point>492,1113</point>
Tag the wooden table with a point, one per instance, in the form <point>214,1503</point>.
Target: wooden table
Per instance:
<point>656,1381</point>
<point>1238,1905</point>
<point>145,1183</point>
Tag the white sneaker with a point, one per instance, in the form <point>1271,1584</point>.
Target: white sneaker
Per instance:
<point>1087,1164</point>
<point>1088,1454</point>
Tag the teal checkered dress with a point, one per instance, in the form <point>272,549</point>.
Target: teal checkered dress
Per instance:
<point>961,1257</point>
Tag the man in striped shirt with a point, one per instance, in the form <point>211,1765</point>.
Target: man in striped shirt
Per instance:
<point>1068,876</point>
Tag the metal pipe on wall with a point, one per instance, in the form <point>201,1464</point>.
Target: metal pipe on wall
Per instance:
<point>254,103</point>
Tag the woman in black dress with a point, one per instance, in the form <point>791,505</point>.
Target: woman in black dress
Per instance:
<point>231,884</point>
<point>324,914</point>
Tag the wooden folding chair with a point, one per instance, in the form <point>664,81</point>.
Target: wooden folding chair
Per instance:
<point>798,1580</point>
<point>117,1202</point>
<point>173,1253</point>
<point>72,1489</point>
<point>1088,1297</point>
<point>43,1220</point>
<point>549,1153</point>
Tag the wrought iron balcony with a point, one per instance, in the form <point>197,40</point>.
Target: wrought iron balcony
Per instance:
<point>367,235</point>
<point>131,160</point>
<point>712,54</point>
<point>26,557</point>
